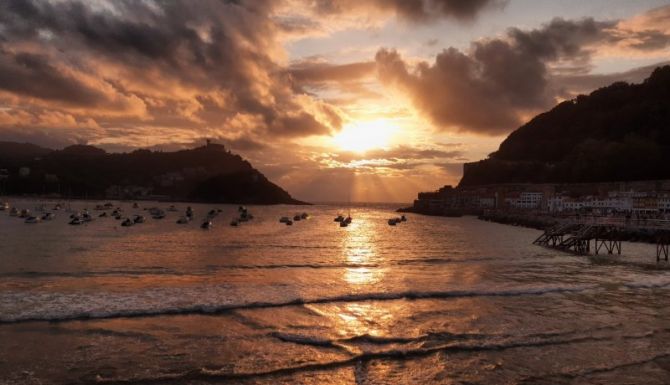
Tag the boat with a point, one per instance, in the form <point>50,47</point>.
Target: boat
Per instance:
<point>86,217</point>
<point>48,216</point>
<point>304,215</point>
<point>344,223</point>
<point>284,219</point>
<point>297,217</point>
<point>58,206</point>
<point>245,215</point>
<point>139,219</point>
<point>127,222</point>
<point>32,219</point>
<point>157,213</point>
<point>172,208</point>
<point>339,218</point>
<point>136,206</point>
<point>14,212</point>
<point>393,221</point>
<point>25,213</point>
<point>4,206</point>
<point>289,223</point>
<point>100,207</point>
<point>108,205</point>
<point>348,219</point>
<point>234,222</point>
<point>403,218</point>
<point>76,221</point>
<point>206,225</point>
<point>212,213</point>
<point>183,220</point>
<point>103,215</point>
<point>189,212</point>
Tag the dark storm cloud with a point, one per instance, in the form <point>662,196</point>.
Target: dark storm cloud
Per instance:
<point>413,10</point>
<point>164,55</point>
<point>32,75</point>
<point>491,88</point>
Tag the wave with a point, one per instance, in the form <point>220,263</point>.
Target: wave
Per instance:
<point>223,374</point>
<point>49,307</point>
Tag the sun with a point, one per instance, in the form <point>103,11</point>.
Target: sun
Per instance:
<point>365,135</point>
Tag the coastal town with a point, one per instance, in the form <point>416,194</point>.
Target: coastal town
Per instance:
<point>649,199</point>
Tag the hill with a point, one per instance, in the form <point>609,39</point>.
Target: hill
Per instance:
<point>617,133</point>
<point>209,173</point>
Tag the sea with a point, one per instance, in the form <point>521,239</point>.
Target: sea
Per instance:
<point>429,301</point>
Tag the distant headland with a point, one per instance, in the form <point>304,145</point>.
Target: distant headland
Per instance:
<point>603,154</point>
<point>209,173</point>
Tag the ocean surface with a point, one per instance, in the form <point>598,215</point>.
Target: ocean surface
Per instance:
<point>429,301</point>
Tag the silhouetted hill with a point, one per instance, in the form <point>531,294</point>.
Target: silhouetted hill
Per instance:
<point>617,133</point>
<point>12,152</point>
<point>208,173</point>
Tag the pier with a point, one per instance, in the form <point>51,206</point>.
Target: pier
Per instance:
<point>603,235</point>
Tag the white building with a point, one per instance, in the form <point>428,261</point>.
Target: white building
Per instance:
<point>525,200</point>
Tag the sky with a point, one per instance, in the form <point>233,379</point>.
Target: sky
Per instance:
<point>334,100</point>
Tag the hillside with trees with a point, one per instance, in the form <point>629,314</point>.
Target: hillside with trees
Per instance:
<point>617,133</point>
<point>209,173</point>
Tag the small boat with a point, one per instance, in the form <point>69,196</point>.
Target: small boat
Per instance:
<point>403,218</point>
<point>25,213</point>
<point>339,218</point>
<point>4,206</point>
<point>289,223</point>
<point>183,220</point>
<point>58,206</point>
<point>172,208</point>
<point>297,217</point>
<point>242,209</point>
<point>127,222</point>
<point>48,216</point>
<point>393,221</point>
<point>103,215</point>
<point>14,212</point>
<point>189,212</point>
<point>304,215</point>
<point>234,222</point>
<point>139,219</point>
<point>344,223</point>
<point>76,221</point>
<point>108,205</point>
<point>206,225</point>
<point>136,206</point>
<point>100,207</point>
<point>32,219</point>
<point>284,219</point>
<point>157,213</point>
<point>86,217</point>
<point>348,219</point>
<point>212,213</point>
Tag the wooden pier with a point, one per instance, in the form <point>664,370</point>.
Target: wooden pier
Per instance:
<point>602,235</point>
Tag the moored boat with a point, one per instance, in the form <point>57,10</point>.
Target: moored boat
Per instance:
<point>32,219</point>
